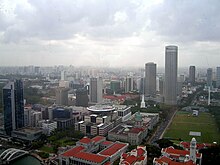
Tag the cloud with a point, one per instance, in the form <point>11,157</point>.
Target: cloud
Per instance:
<point>178,20</point>
<point>62,20</point>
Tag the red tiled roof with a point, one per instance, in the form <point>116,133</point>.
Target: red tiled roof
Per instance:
<point>141,158</point>
<point>136,130</point>
<point>140,152</point>
<point>163,159</point>
<point>107,163</point>
<point>190,162</point>
<point>130,159</point>
<point>198,145</point>
<point>113,97</point>
<point>107,143</point>
<point>169,161</point>
<point>73,151</point>
<point>112,149</point>
<point>90,157</point>
<point>124,155</point>
<point>172,151</point>
<point>85,140</point>
<point>98,138</point>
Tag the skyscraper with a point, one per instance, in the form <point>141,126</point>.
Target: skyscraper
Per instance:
<point>95,90</point>
<point>129,84</point>
<point>209,77</point>
<point>150,79</point>
<point>170,86</point>
<point>13,104</point>
<point>192,74</point>
<point>82,98</point>
<point>218,77</point>
<point>62,96</point>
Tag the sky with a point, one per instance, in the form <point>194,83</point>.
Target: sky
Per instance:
<point>108,33</point>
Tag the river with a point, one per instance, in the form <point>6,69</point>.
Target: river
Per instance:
<point>25,160</point>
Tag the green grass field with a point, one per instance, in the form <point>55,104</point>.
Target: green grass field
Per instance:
<point>184,122</point>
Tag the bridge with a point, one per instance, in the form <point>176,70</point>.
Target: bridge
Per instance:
<point>11,154</point>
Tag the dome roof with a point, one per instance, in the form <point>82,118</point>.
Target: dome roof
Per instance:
<point>138,116</point>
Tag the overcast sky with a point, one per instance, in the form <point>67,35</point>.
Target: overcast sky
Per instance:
<point>110,33</point>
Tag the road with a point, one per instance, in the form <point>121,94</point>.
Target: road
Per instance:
<point>158,134</point>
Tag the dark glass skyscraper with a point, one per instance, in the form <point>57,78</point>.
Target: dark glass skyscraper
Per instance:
<point>13,101</point>
<point>192,74</point>
<point>150,79</point>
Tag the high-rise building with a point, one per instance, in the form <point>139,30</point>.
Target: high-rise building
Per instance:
<point>218,77</point>
<point>209,77</point>
<point>62,96</point>
<point>95,90</point>
<point>13,101</point>
<point>192,74</point>
<point>170,86</point>
<point>129,84</point>
<point>150,79</point>
<point>63,75</point>
<point>115,86</point>
<point>82,98</point>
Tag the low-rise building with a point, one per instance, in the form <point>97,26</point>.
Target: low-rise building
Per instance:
<point>95,151</point>
<point>135,157</point>
<point>65,123</point>
<point>171,156</point>
<point>27,134</point>
<point>128,133</point>
<point>49,126</point>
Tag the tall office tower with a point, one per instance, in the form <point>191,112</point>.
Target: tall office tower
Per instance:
<point>140,85</point>
<point>82,98</point>
<point>192,74</point>
<point>150,79</point>
<point>95,90</point>
<point>13,101</point>
<point>209,77</point>
<point>218,77</point>
<point>115,86</point>
<point>129,84</point>
<point>170,86</point>
<point>161,85</point>
<point>62,96</point>
<point>63,75</point>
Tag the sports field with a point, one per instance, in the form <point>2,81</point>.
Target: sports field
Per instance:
<point>184,122</point>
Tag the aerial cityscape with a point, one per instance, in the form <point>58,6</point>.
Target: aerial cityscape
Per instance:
<point>117,82</point>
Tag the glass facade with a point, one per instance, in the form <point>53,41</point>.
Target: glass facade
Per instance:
<point>13,101</point>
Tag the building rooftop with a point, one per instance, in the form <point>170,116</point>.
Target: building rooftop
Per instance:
<point>90,157</point>
<point>101,108</point>
<point>113,149</point>
<point>28,130</point>
<point>73,151</point>
<point>85,140</point>
<point>186,145</point>
<point>98,139</point>
<point>107,143</point>
<point>177,153</point>
<point>165,160</point>
<point>136,155</point>
<point>125,129</point>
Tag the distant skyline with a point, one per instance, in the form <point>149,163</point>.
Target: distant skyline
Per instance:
<point>103,33</point>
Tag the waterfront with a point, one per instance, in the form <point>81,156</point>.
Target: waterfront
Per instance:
<point>26,160</point>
